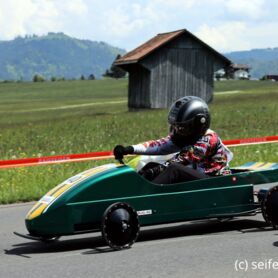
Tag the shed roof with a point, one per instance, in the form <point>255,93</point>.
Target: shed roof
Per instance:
<point>158,41</point>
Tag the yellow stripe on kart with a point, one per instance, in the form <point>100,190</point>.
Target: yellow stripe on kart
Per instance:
<point>34,208</point>
<point>256,165</point>
<point>49,193</point>
<point>266,166</point>
<point>62,190</point>
<point>36,211</point>
<point>261,166</point>
<point>57,191</point>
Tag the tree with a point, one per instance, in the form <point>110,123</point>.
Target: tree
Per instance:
<point>82,77</point>
<point>91,77</point>
<point>38,78</point>
<point>115,72</point>
<point>107,73</point>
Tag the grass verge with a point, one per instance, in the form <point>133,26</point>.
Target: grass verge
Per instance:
<point>29,128</point>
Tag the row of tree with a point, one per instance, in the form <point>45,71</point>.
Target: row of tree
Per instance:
<point>112,72</point>
<point>40,78</point>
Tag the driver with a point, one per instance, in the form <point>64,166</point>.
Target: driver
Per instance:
<point>198,150</point>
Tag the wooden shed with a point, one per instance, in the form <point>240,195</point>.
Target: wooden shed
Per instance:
<point>169,66</point>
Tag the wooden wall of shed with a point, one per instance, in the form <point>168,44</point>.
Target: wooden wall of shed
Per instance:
<point>182,67</point>
<point>138,87</point>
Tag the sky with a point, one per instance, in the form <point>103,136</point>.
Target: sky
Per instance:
<point>226,25</point>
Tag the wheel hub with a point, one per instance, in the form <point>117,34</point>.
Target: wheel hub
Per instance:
<point>120,226</point>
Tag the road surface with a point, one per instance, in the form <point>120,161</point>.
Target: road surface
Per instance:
<point>243,247</point>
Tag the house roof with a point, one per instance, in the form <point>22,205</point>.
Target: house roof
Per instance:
<point>240,66</point>
<point>156,42</point>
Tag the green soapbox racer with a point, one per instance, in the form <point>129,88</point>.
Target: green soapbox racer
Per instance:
<point>117,201</point>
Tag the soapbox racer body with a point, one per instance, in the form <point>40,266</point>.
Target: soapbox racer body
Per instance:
<point>116,200</point>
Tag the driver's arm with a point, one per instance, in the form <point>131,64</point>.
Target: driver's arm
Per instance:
<point>161,146</point>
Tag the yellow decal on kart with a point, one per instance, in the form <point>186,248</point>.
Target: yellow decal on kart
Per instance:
<point>43,204</point>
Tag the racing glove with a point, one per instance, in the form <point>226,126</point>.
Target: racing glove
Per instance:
<point>119,151</point>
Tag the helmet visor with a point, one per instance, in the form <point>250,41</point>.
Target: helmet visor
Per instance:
<point>183,128</point>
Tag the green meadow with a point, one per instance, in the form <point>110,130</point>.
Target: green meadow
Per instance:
<point>52,118</point>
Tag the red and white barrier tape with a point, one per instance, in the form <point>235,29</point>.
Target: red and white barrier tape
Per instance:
<point>55,159</point>
<point>109,154</point>
<point>251,141</point>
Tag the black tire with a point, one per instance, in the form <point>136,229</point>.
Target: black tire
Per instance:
<point>120,226</point>
<point>270,207</point>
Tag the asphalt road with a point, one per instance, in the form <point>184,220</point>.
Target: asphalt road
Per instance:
<point>243,247</point>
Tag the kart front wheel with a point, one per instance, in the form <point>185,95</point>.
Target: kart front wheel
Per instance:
<point>120,226</point>
<point>270,206</point>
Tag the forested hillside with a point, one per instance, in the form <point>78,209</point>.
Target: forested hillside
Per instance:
<point>60,56</point>
<point>54,55</point>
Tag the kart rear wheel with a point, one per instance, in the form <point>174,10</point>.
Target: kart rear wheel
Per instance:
<point>120,226</point>
<point>270,207</point>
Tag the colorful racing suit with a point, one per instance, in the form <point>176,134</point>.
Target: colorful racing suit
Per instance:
<point>208,155</point>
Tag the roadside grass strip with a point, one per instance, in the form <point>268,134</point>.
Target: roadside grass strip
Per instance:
<point>71,117</point>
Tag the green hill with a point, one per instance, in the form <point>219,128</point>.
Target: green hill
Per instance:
<point>54,54</point>
<point>59,55</point>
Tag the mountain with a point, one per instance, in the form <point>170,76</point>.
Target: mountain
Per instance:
<point>54,55</point>
<point>59,55</point>
<point>262,61</point>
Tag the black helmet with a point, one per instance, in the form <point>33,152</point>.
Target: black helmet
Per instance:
<point>189,119</point>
